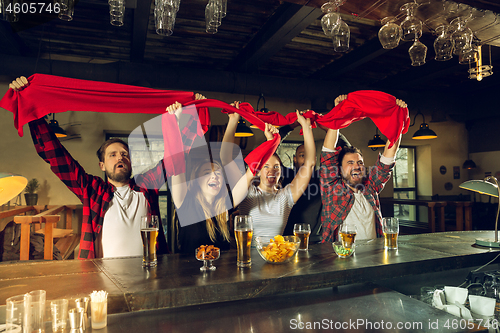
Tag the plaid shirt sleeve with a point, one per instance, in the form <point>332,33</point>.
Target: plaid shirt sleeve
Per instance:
<point>61,163</point>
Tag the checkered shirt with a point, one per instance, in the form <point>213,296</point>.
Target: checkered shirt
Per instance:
<point>338,198</point>
<point>94,193</point>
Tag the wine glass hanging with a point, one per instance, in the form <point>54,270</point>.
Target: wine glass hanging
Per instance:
<point>331,19</point>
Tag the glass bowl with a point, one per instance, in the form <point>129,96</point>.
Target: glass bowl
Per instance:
<point>341,251</point>
<point>207,258</point>
<point>278,251</point>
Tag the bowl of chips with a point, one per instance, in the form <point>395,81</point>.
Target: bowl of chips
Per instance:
<point>207,254</point>
<point>278,249</point>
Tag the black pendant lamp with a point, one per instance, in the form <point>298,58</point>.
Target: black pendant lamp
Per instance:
<point>264,109</point>
<point>242,130</point>
<point>424,133</point>
<point>376,142</point>
<point>54,125</point>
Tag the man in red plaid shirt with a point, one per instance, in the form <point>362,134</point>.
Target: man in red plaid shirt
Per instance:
<point>349,194</point>
<point>112,209</point>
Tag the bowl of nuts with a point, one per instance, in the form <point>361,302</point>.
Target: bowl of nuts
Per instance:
<point>277,250</point>
<point>341,251</point>
<point>207,254</point>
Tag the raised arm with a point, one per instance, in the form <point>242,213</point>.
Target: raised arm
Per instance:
<point>178,185</point>
<point>233,173</point>
<point>332,135</point>
<point>241,189</point>
<point>391,152</point>
<point>303,176</point>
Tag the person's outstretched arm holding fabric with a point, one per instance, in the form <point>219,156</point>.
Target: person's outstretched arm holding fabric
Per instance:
<point>349,194</point>
<point>267,202</point>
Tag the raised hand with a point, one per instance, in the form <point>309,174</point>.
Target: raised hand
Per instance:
<point>401,103</point>
<point>198,96</point>
<point>19,84</point>
<point>305,123</point>
<point>269,132</point>
<point>339,99</point>
<point>176,109</point>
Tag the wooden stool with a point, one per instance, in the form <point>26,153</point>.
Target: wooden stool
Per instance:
<point>25,222</point>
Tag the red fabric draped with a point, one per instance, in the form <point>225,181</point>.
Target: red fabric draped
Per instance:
<point>52,94</point>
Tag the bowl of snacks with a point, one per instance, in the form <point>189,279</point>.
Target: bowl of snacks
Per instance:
<point>278,249</point>
<point>207,254</point>
<point>341,251</point>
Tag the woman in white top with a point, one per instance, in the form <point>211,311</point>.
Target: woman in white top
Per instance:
<point>268,203</point>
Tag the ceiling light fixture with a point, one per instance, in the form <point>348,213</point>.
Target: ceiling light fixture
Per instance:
<point>424,133</point>
<point>242,130</point>
<point>264,109</point>
<point>481,71</point>
<point>376,142</point>
<point>54,124</point>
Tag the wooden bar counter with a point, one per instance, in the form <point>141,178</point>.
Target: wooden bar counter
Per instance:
<point>178,282</point>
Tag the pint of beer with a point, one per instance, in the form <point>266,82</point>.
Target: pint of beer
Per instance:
<point>149,233</point>
<point>243,232</point>
<point>302,231</point>
<point>390,227</point>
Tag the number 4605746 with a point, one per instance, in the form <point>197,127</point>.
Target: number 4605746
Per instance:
<point>33,8</point>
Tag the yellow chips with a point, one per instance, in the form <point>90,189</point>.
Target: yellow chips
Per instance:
<point>278,249</point>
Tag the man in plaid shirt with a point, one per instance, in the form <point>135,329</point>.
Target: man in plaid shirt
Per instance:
<point>112,209</point>
<point>348,193</point>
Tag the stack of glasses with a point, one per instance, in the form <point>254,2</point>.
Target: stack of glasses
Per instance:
<point>215,11</point>
<point>165,13</point>
<point>116,12</point>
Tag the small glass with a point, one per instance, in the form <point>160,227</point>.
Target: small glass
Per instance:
<point>149,234</point>
<point>302,231</point>
<point>38,311</point>
<point>99,309</point>
<point>59,309</point>
<point>347,235</point>
<point>18,314</point>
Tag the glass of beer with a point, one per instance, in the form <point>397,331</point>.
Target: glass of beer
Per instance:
<point>347,235</point>
<point>149,233</point>
<point>390,227</point>
<point>243,232</point>
<point>303,231</point>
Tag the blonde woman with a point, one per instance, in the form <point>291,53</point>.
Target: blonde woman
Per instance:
<point>202,202</point>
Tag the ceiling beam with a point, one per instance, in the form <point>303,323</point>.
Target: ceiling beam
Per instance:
<point>287,22</point>
<point>10,43</point>
<point>140,30</point>
<point>359,56</point>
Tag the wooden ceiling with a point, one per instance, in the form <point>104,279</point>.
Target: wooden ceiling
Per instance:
<point>269,40</point>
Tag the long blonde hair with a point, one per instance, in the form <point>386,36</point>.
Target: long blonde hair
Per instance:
<point>209,210</point>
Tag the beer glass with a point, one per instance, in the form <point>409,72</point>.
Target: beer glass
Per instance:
<point>390,227</point>
<point>302,231</point>
<point>347,235</point>
<point>149,233</point>
<point>243,232</point>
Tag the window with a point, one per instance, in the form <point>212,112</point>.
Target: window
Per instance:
<point>405,183</point>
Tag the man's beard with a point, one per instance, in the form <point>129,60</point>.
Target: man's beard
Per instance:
<point>349,181</point>
<point>119,177</point>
